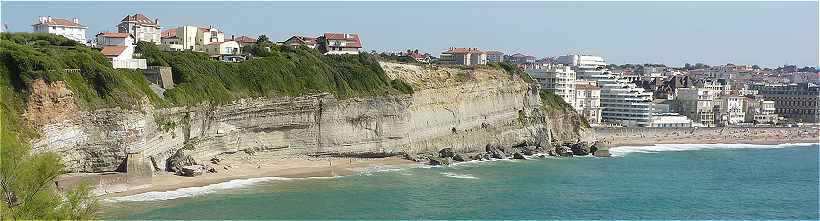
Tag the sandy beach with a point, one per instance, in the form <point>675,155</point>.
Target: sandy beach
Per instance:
<point>242,166</point>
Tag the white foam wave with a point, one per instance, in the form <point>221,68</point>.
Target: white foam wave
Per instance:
<point>459,176</point>
<point>196,191</point>
<point>624,150</point>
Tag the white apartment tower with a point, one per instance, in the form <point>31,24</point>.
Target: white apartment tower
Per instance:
<point>622,103</point>
<point>558,79</point>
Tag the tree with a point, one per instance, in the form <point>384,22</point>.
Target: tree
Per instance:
<point>755,67</point>
<point>263,39</point>
<point>28,190</point>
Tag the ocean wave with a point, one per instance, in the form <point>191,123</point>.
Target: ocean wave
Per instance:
<point>624,150</point>
<point>459,176</point>
<point>196,191</point>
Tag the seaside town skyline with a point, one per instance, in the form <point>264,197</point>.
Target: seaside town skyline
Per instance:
<point>572,39</point>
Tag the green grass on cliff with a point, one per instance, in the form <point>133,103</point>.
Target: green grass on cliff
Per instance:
<point>25,57</point>
<point>283,71</point>
<point>555,104</point>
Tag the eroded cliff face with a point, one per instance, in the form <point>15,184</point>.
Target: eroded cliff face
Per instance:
<point>461,109</point>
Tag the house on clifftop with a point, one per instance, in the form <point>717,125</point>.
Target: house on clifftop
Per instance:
<point>71,29</point>
<point>336,43</point>
<point>295,41</point>
<point>463,56</point>
<point>141,27</point>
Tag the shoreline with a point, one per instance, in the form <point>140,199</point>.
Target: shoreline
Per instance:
<point>248,168</point>
<point>282,168</point>
<point>631,143</point>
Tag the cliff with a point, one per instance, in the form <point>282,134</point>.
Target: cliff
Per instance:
<point>462,109</point>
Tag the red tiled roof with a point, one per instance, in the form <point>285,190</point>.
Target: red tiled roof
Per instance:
<point>62,22</point>
<point>463,50</point>
<point>113,34</point>
<point>169,33</point>
<point>113,51</point>
<point>353,39</point>
<point>139,18</point>
<point>207,30</point>
<point>303,39</point>
<point>245,39</point>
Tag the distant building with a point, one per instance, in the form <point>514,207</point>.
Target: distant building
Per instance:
<point>583,61</point>
<point>71,29</point>
<point>243,40</point>
<point>730,110</point>
<point>225,51</point>
<point>670,120</point>
<point>416,55</point>
<point>798,102</point>
<point>698,104</point>
<point>760,111</point>
<point>113,39</point>
<point>588,101</point>
<point>190,38</point>
<point>495,56</point>
<point>141,27</point>
<point>520,59</point>
<point>622,102</point>
<point>558,79</point>
<point>626,104</point>
<point>294,41</point>
<point>463,56</point>
<point>337,43</point>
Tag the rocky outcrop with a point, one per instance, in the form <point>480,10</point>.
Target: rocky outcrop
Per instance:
<point>464,110</point>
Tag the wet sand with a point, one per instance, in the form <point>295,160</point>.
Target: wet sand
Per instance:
<point>243,167</point>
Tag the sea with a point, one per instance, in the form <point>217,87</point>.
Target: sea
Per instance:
<point>667,181</point>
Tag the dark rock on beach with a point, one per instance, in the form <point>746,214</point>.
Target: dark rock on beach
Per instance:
<point>459,157</point>
<point>446,152</point>
<point>193,170</point>
<point>518,156</point>
<point>439,161</point>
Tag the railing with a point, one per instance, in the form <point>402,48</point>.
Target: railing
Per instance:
<point>129,63</point>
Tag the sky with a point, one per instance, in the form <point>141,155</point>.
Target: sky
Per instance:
<point>769,34</point>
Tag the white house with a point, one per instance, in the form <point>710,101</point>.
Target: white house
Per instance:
<point>121,56</point>
<point>113,38</point>
<point>71,29</point>
<point>222,49</point>
<point>190,38</point>
<point>141,27</point>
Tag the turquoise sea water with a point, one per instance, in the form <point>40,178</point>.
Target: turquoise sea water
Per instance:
<point>661,182</point>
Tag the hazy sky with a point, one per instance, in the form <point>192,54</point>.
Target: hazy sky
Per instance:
<point>765,33</point>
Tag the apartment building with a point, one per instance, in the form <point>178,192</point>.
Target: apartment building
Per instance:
<point>760,111</point>
<point>588,101</point>
<point>798,102</point>
<point>559,79</point>
<point>495,56</point>
<point>730,110</point>
<point>141,27</point>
